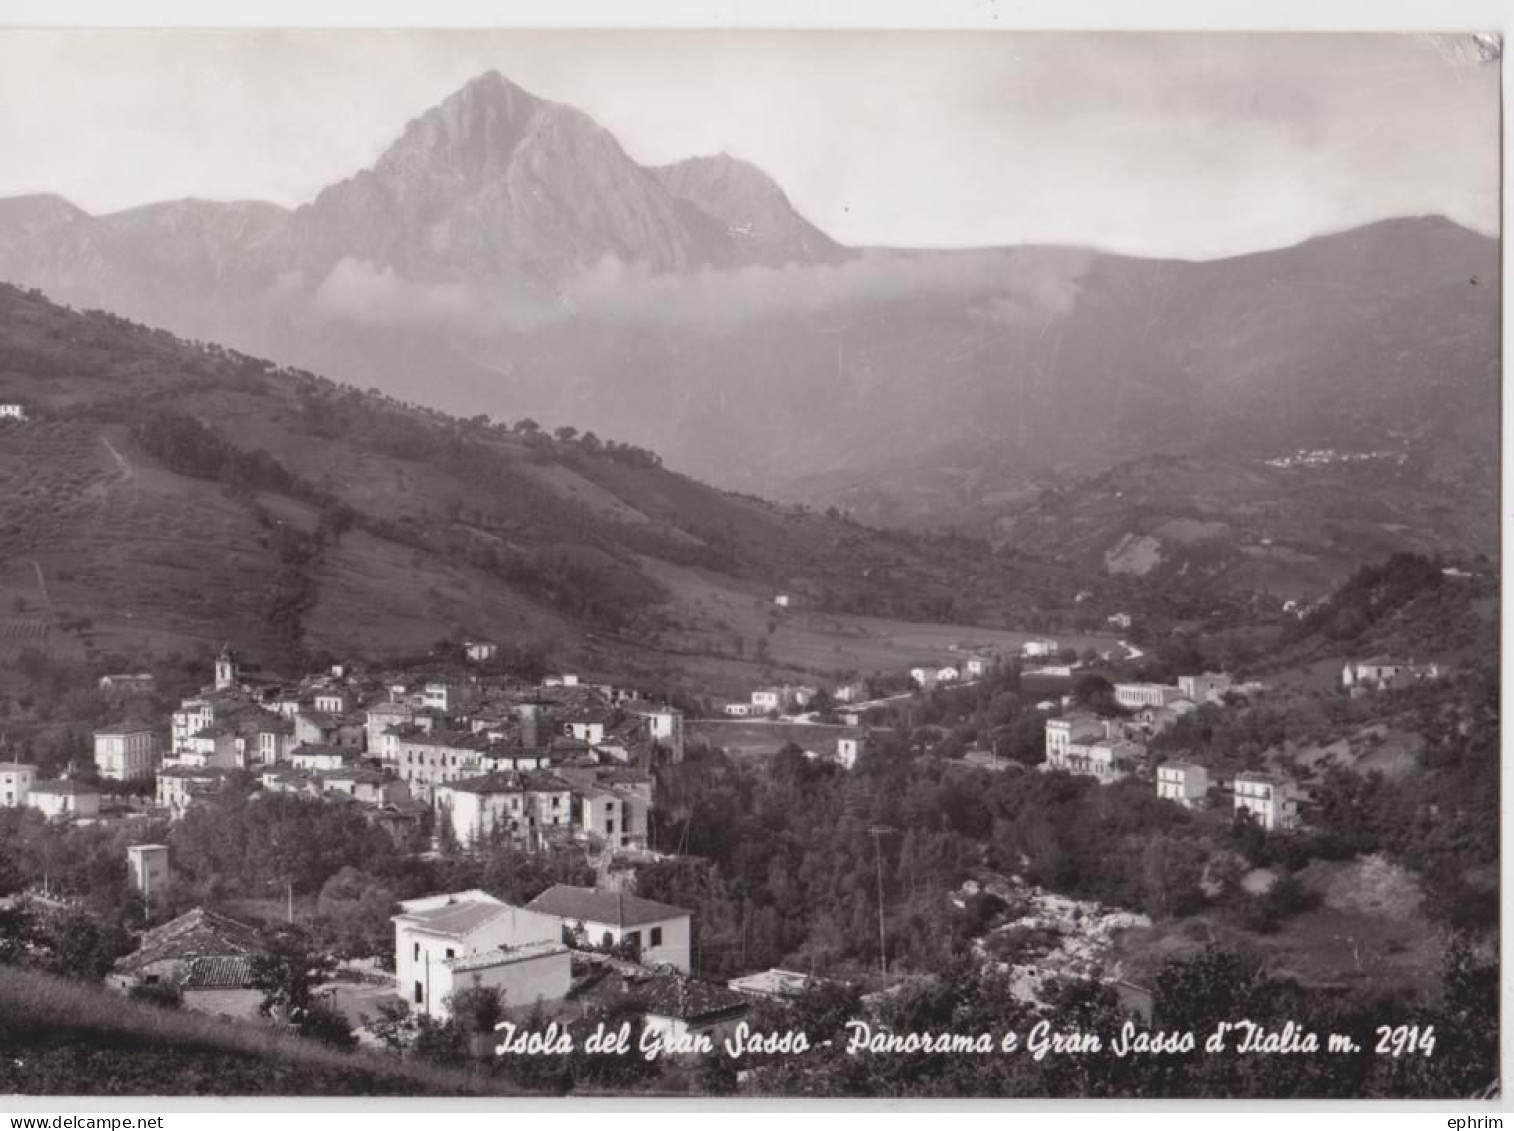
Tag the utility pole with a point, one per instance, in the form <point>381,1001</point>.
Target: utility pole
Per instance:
<point>878,832</point>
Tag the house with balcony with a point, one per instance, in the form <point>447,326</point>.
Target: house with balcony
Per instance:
<point>1183,782</point>
<point>466,940</point>
<point>1270,799</point>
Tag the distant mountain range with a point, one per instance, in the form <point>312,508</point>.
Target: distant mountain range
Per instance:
<point>164,495</point>
<point>506,256</point>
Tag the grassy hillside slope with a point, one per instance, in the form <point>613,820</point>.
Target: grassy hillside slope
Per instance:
<point>60,1037</point>
<point>167,493</point>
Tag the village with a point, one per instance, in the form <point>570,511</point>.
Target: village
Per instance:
<point>463,756</point>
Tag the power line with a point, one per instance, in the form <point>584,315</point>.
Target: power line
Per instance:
<point>878,833</point>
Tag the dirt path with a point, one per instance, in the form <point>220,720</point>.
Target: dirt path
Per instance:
<point>42,585</point>
<point>122,461</point>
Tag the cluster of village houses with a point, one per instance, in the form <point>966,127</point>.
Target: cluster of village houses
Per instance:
<point>1111,749</point>
<point>569,761</point>
<point>536,764</point>
<point>562,954</point>
<point>554,763</point>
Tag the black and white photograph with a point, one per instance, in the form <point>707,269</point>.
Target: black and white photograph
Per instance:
<point>750,564</point>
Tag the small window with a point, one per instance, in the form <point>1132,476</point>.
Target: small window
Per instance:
<point>417,952</point>
<point>420,994</point>
<point>634,938</point>
<point>655,936</point>
<point>451,953</point>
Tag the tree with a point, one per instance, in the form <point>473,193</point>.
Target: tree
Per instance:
<point>476,1012</point>
<point>1196,993</point>
<point>80,945</point>
<point>288,971</point>
<point>1095,693</point>
<point>565,433</point>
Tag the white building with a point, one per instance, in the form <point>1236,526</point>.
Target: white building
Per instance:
<point>332,700</point>
<point>853,691</point>
<point>664,724</point>
<point>1120,620</point>
<point>1209,687</point>
<point>64,798</point>
<point>466,940</point>
<point>521,806</point>
<point>228,671</point>
<point>977,666</point>
<point>12,411</point>
<point>179,787</point>
<point>1107,759</point>
<point>615,816</point>
<point>1378,672</point>
<point>481,651</point>
<point>1134,696</point>
<point>127,752</point>
<point>1062,733</point>
<point>16,780</point>
<point>1183,782</point>
<point>1268,798</point>
<point>1040,649</point>
<point>849,748</point>
<point>147,865</point>
<point>379,718</point>
<point>659,931</point>
<point>127,683</point>
<point>310,757</point>
<point>770,699</point>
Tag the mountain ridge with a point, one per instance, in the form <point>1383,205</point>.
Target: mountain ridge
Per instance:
<point>504,254</point>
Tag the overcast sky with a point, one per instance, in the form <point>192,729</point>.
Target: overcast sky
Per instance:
<point>1187,145</point>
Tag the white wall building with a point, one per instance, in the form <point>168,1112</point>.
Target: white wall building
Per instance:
<point>147,865</point>
<point>1268,798</point>
<point>1062,733</point>
<point>64,798</point>
<point>1107,759</point>
<point>16,780</point>
<point>1209,687</point>
<point>977,666</point>
<point>659,931</point>
<point>522,806</point>
<point>1183,782</point>
<point>1134,696</point>
<point>766,699</point>
<point>461,940</point>
<point>126,753</point>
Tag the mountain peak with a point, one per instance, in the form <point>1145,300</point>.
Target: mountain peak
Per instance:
<point>472,131</point>
<point>48,206</point>
<point>491,86</point>
<point>753,207</point>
